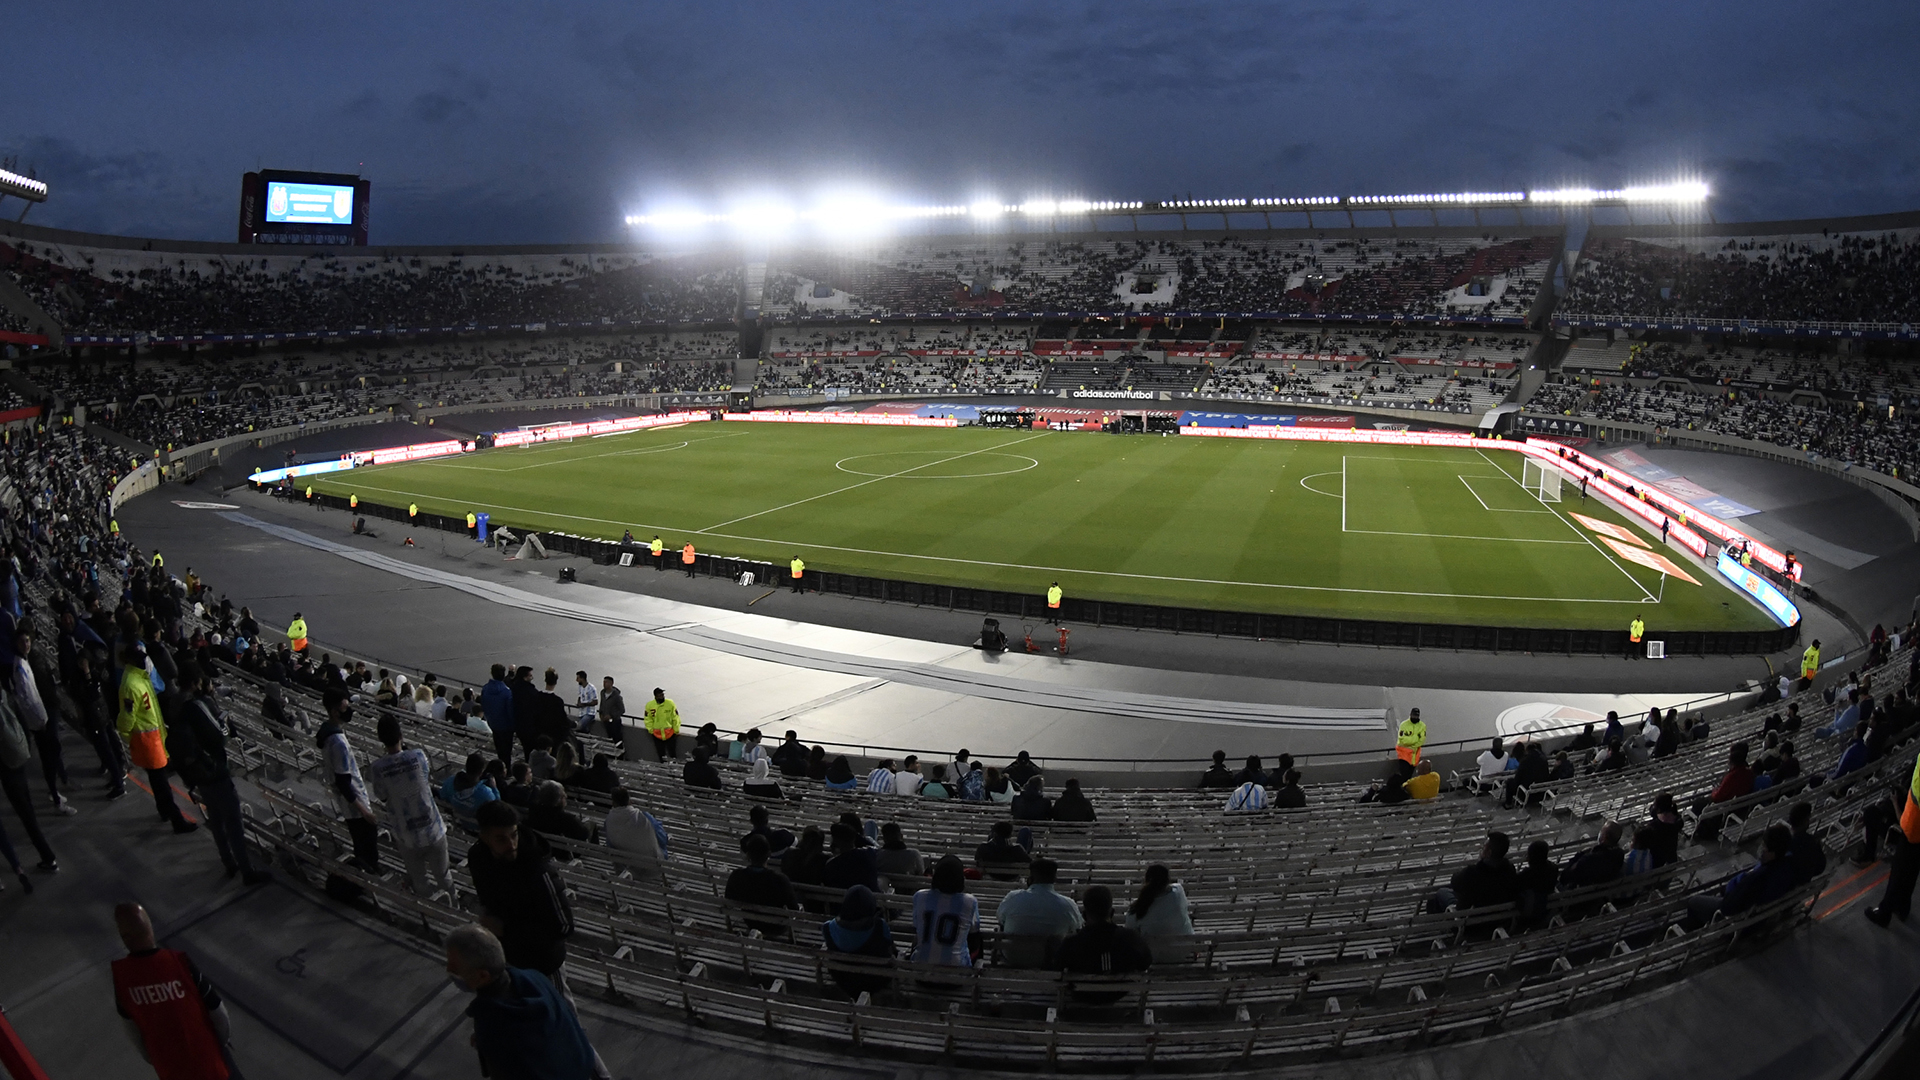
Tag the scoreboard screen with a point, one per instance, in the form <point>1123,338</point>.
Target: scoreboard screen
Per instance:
<point>305,208</point>
<point>309,204</point>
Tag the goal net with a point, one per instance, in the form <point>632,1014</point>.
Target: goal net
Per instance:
<point>1541,479</point>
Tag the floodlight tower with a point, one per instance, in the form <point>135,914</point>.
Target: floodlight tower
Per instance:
<point>26,188</point>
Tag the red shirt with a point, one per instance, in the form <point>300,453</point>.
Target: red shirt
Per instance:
<point>160,991</point>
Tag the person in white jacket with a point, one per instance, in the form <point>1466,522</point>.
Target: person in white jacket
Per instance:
<point>403,782</point>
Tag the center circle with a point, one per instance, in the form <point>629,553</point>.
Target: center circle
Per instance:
<point>934,465</point>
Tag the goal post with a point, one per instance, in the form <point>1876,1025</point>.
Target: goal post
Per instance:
<point>1541,479</point>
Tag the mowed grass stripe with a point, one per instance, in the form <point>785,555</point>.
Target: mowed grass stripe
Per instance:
<point>1196,522</point>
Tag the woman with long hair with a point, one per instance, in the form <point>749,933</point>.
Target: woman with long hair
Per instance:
<point>1160,909</point>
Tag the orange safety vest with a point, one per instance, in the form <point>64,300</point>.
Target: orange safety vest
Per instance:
<point>686,554</point>
<point>1910,815</point>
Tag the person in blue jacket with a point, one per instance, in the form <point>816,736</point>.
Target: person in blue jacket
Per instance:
<point>523,1028</point>
<point>496,707</point>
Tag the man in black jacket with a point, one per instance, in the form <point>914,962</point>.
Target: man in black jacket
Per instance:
<point>1490,881</point>
<point>1101,948</point>
<point>1534,770</point>
<point>790,757</point>
<point>526,707</point>
<point>699,772</point>
<point>520,892</point>
<point>1598,864</point>
<point>197,745</point>
<point>1217,774</point>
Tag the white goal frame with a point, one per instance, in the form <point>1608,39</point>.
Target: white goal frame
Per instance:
<point>1541,479</point>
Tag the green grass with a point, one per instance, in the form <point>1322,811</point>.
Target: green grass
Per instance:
<point>1422,534</point>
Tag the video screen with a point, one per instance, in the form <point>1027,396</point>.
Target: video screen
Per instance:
<point>309,204</point>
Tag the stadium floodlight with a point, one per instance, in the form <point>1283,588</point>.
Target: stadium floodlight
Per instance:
<point>22,187</point>
<point>986,209</point>
<point>762,219</point>
<point>1686,191</point>
<point>1039,208</point>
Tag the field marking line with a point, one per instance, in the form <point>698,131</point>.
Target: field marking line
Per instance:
<point>1032,464</point>
<point>864,483</point>
<point>1436,536</point>
<point>1317,491</point>
<point>810,545</point>
<point>1343,493</point>
<point>1483,503</point>
<point>1647,597</point>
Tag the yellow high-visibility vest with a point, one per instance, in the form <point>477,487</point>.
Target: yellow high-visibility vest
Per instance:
<point>1810,662</point>
<point>1635,630</point>
<point>1413,734</point>
<point>1053,596</point>
<point>798,566</point>
<point>662,718</point>
<point>656,547</point>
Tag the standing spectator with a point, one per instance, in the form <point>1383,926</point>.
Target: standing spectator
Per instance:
<point>1896,901</point>
<point>16,750</point>
<point>145,731</point>
<point>1021,770</point>
<point>551,717</point>
<point>197,746</point>
<point>613,709</point>
<point>946,918</point>
<point>524,1028</point>
<point>403,782</point>
<point>171,1011</point>
<point>520,893</point>
<point>496,707</point>
<point>39,709</point>
<point>1102,949</point>
<point>343,772</point>
<point>662,718</point>
<point>586,701</point>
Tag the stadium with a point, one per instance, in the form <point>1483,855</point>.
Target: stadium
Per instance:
<point>1293,635</point>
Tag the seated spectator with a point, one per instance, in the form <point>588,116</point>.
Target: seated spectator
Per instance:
<point>1611,758</point>
<point>973,784</point>
<point>540,758</point>
<point>863,832</point>
<point>551,816</point>
<point>1425,783</point>
<point>778,840</point>
<point>1247,798</point>
<point>760,783</point>
<point>859,930</point>
<point>908,780</point>
<point>790,757</point>
<point>1032,803</point>
<point>1000,858</point>
<point>936,785</point>
<point>1532,772</point>
<point>1393,790</point>
<point>895,858</point>
<point>1786,764</point>
<point>1217,774</point>
<point>566,764</point>
<point>852,863</point>
<point>1252,773</point>
<point>758,886</point>
<point>1598,864</point>
<point>1071,805</point>
<point>1583,741</point>
<point>708,739</point>
<point>1846,719</point>
<point>1491,880</point>
<point>999,789</point>
<point>1492,764</point>
<point>1662,831</point>
<point>1807,855</point>
<point>946,918</point>
<point>1563,767</point>
<point>1738,780</point>
<point>1772,878</point>
<point>839,775</point>
<point>699,772</point>
<point>1101,949</point>
<point>633,833</point>
<point>1035,920</point>
<point>817,765</point>
<point>1535,882</point>
<point>600,777</point>
<point>1021,770</point>
<point>1290,795</point>
<point>880,780</point>
<point>805,863</point>
<point>1160,913</point>
<point>466,791</point>
<point>1854,757</point>
<point>521,789</point>
<point>1668,742</point>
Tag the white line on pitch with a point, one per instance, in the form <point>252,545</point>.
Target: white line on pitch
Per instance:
<point>864,483</point>
<point>1577,531</point>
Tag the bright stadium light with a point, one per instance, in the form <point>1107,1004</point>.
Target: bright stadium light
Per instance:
<point>986,209</point>
<point>1686,191</point>
<point>22,187</point>
<point>762,219</point>
<point>1039,208</point>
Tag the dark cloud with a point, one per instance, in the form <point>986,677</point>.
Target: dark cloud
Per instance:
<point>482,121</point>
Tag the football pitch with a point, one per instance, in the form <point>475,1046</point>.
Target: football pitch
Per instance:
<point>1324,529</point>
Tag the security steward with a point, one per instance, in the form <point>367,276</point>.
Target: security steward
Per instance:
<point>297,634</point>
<point>797,568</point>
<point>662,718</point>
<point>686,558</point>
<point>659,551</point>
<point>1810,664</point>
<point>1053,602</point>
<point>473,525</point>
<point>1636,630</point>
<point>1412,736</point>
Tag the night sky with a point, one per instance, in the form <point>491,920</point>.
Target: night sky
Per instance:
<point>521,123</point>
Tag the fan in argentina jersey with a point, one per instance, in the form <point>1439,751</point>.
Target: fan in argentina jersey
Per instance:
<point>944,917</point>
